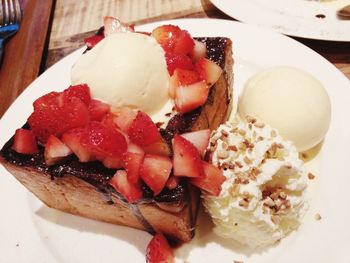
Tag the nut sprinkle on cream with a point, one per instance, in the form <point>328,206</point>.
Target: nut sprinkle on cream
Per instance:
<point>263,198</point>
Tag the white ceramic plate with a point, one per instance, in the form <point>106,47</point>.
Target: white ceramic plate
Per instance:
<point>32,232</point>
<point>300,18</point>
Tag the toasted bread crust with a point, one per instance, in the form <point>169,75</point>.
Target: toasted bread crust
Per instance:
<point>70,193</point>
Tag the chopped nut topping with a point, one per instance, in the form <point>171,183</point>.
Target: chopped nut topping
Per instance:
<point>231,166</point>
<point>224,133</point>
<point>250,119</point>
<point>234,130</point>
<point>223,154</point>
<point>273,133</point>
<point>242,132</point>
<point>247,160</point>
<point>260,138</point>
<point>232,148</point>
<point>238,164</point>
<point>244,203</point>
<point>318,217</point>
<point>234,190</point>
<point>311,176</point>
<point>276,219</point>
<point>259,125</point>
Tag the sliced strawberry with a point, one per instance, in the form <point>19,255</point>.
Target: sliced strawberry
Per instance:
<point>113,25</point>
<point>134,148</point>
<point>200,139</point>
<point>199,50</point>
<point>109,120</point>
<point>124,117</point>
<point>113,162</point>
<point>24,142</point>
<point>53,99</point>
<point>98,110</point>
<point>181,77</point>
<point>131,192</point>
<point>166,36</point>
<point>56,113</point>
<point>208,70</point>
<point>72,139</point>
<point>187,161</point>
<point>178,61</point>
<point>104,142</point>
<point>143,131</point>
<point>159,147</point>
<point>55,150</point>
<point>132,163</point>
<point>81,91</point>
<point>172,182</point>
<point>212,181</point>
<point>159,251</point>
<point>93,40</point>
<point>184,43</point>
<point>188,98</point>
<point>155,171</point>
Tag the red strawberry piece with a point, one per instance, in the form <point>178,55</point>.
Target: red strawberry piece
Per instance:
<point>109,120</point>
<point>143,131</point>
<point>131,192</point>
<point>55,150</point>
<point>25,142</point>
<point>181,77</point>
<point>113,162</point>
<point>159,251</point>
<point>93,40</point>
<point>212,180</point>
<point>155,171</point>
<point>166,36</point>
<point>172,182</point>
<point>184,43</point>
<point>104,142</point>
<point>208,70</point>
<point>188,98</point>
<point>72,139</point>
<point>160,148</point>
<point>113,25</point>
<point>98,110</point>
<point>200,139</point>
<point>178,61</point>
<point>132,163</point>
<point>187,161</point>
<point>124,117</point>
<point>199,50</point>
<point>56,113</point>
<point>81,91</point>
<point>51,99</point>
<point>134,148</point>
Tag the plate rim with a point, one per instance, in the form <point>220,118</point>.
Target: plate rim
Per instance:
<point>281,28</point>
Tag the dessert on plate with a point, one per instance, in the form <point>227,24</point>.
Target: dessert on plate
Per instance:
<point>111,150</point>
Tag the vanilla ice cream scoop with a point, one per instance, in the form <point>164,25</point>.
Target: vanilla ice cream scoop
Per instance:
<point>291,101</point>
<point>125,69</point>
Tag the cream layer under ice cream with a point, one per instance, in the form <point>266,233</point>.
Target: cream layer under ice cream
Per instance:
<point>126,69</point>
<point>291,101</point>
<point>263,197</point>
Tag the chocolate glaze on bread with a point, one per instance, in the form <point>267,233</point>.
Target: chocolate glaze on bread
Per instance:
<point>83,189</point>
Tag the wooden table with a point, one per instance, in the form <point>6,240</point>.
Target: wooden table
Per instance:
<point>75,19</point>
